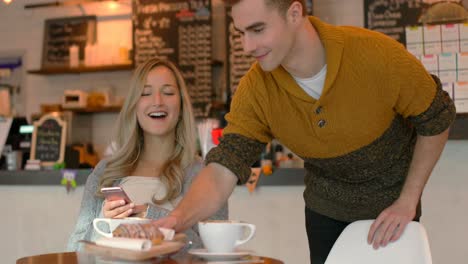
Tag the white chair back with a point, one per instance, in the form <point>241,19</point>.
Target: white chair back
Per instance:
<point>351,247</point>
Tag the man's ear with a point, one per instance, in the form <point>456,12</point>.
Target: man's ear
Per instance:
<point>294,13</point>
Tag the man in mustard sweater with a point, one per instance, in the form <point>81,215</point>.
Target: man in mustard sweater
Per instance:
<point>363,113</point>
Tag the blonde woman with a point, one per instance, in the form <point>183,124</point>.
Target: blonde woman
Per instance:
<point>154,157</point>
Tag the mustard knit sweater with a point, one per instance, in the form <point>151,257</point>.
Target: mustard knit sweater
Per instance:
<point>357,139</point>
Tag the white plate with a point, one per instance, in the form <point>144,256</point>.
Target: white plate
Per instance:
<point>203,253</point>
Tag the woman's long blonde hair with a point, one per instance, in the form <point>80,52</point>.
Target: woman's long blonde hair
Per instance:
<point>129,139</point>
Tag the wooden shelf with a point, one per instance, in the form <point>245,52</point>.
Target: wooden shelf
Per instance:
<point>89,110</point>
<point>83,69</point>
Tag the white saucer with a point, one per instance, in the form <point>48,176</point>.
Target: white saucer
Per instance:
<point>203,253</point>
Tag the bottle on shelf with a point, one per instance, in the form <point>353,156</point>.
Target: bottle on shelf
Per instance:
<point>74,56</point>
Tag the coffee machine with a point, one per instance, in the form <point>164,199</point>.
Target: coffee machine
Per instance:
<point>16,147</point>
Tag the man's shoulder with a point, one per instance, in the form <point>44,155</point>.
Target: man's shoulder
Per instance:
<point>359,34</point>
<point>346,32</point>
<point>376,46</point>
<point>366,37</point>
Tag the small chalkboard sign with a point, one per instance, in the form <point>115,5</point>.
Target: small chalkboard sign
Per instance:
<point>48,140</point>
<point>61,33</point>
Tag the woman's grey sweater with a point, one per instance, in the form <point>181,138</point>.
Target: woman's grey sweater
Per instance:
<point>91,208</point>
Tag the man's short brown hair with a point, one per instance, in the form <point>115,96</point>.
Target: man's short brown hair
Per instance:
<point>281,5</point>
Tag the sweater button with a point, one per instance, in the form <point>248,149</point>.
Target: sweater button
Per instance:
<point>318,110</point>
<point>321,123</point>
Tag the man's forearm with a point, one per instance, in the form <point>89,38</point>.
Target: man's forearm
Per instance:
<point>426,154</point>
<point>208,193</point>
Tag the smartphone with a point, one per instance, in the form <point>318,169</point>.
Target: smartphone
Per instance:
<point>115,193</point>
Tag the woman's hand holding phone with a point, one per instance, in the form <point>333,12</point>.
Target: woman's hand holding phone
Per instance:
<point>117,209</point>
<point>118,205</point>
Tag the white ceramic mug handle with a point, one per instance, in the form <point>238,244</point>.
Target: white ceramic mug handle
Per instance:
<point>251,234</point>
<point>96,221</point>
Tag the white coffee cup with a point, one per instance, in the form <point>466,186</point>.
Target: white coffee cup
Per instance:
<point>113,223</point>
<point>224,236</point>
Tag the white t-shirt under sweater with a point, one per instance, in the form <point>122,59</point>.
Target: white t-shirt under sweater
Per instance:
<point>313,86</point>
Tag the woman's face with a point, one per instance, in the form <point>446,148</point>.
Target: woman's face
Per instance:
<point>158,108</point>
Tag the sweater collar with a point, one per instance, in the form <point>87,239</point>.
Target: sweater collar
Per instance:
<point>333,41</point>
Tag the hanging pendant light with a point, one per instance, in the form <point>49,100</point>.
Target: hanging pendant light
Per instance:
<point>7,1</point>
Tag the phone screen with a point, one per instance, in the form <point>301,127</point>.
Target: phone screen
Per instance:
<point>115,193</point>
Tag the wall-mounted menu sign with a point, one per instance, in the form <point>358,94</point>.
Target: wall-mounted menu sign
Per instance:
<point>61,33</point>
<point>179,31</point>
<point>48,140</point>
<point>391,17</point>
<point>238,61</point>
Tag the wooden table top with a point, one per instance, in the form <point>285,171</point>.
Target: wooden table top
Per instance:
<point>83,258</point>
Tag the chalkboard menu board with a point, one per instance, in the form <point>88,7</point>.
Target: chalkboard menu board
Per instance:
<point>238,61</point>
<point>61,33</point>
<point>179,31</point>
<point>392,16</point>
<point>48,141</point>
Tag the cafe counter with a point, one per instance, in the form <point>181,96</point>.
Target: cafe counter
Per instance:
<point>39,177</point>
<point>280,177</point>
<point>39,213</point>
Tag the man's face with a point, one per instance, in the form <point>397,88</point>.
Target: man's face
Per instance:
<point>266,34</point>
